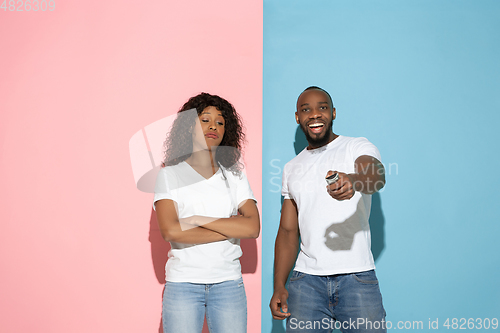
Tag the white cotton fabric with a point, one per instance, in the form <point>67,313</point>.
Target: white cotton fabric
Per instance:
<point>335,235</point>
<point>202,263</point>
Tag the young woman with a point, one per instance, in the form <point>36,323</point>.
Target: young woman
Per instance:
<point>198,194</point>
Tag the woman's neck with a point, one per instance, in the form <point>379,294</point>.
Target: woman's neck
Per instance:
<point>203,161</point>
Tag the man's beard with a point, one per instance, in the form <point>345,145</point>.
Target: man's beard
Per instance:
<point>318,141</point>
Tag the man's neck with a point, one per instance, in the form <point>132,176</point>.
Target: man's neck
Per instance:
<point>333,136</point>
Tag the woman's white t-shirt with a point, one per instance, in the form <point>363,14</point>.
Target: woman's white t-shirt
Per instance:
<point>195,195</point>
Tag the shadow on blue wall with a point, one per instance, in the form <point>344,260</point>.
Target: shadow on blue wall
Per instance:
<point>300,140</point>
<point>377,226</point>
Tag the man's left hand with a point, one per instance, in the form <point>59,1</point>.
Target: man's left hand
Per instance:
<point>343,188</point>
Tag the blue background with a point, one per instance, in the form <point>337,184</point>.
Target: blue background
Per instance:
<point>421,80</point>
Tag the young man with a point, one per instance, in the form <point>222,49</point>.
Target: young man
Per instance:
<point>333,284</point>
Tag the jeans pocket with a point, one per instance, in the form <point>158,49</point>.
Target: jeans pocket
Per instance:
<point>367,277</point>
<point>296,275</point>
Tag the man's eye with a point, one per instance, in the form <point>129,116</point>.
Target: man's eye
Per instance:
<point>322,107</point>
<point>305,110</point>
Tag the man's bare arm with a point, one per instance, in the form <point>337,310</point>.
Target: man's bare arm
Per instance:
<point>285,254</point>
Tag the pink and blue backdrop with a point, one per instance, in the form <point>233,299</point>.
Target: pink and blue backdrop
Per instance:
<point>79,246</point>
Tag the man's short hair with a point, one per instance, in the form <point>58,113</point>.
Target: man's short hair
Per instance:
<point>323,90</point>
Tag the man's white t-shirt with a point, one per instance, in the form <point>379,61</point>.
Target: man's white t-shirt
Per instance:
<point>194,195</point>
<point>335,235</point>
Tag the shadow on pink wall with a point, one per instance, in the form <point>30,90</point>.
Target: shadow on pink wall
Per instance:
<point>160,248</point>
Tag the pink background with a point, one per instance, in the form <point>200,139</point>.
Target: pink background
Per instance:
<point>79,248</point>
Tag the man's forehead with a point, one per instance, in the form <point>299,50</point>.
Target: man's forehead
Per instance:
<point>308,93</point>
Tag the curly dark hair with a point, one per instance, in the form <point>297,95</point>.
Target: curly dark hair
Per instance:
<point>179,142</point>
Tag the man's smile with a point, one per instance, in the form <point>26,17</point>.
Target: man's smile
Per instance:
<point>316,127</point>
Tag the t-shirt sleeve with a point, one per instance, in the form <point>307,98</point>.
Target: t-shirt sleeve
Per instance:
<point>243,190</point>
<point>284,185</point>
<point>361,146</point>
<point>163,186</point>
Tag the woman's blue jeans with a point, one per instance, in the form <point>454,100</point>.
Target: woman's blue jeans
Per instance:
<point>349,302</point>
<point>186,304</point>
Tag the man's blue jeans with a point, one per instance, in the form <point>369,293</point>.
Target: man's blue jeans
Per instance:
<point>185,305</point>
<point>349,302</point>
